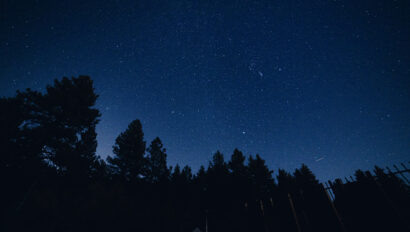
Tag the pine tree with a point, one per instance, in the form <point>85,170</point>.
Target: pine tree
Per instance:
<point>286,181</point>
<point>186,174</point>
<point>11,139</point>
<point>237,164</point>
<point>157,169</point>
<point>304,177</point>
<point>261,177</point>
<point>201,173</point>
<point>218,164</point>
<point>129,159</point>
<point>59,125</point>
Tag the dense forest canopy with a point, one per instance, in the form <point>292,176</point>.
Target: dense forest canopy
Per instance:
<point>53,180</point>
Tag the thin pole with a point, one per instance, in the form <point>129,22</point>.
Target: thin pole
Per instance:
<point>294,213</point>
<point>331,193</point>
<point>206,222</point>
<point>335,211</point>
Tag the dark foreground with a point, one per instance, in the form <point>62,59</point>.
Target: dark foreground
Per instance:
<point>52,180</point>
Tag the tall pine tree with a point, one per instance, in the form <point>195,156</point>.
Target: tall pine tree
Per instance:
<point>129,159</point>
<point>157,170</point>
<point>59,126</point>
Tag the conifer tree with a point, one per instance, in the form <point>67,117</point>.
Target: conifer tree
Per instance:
<point>176,173</point>
<point>218,164</point>
<point>129,159</point>
<point>59,125</point>
<point>186,174</point>
<point>157,169</point>
<point>261,176</point>
<point>304,177</point>
<point>237,164</point>
<point>285,181</point>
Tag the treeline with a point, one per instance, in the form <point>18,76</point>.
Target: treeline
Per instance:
<point>52,180</point>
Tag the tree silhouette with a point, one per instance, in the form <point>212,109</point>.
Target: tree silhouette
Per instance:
<point>157,169</point>
<point>261,177</point>
<point>54,181</point>
<point>304,177</point>
<point>66,112</point>
<point>57,127</point>
<point>218,164</point>
<point>201,174</point>
<point>21,149</point>
<point>186,174</point>
<point>129,161</point>
<point>286,181</point>
<point>176,174</point>
<point>237,164</point>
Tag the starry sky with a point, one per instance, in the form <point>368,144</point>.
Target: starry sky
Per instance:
<point>325,83</point>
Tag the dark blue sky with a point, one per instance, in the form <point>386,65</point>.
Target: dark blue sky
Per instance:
<point>326,83</point>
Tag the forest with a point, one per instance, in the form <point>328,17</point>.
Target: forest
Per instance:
<point>52,180</point>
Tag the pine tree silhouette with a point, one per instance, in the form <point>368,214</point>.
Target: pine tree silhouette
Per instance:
<point>129,159</point>
<point>54,181</point>
<point>157,170</point>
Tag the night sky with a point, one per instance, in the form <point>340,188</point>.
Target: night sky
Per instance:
<point>325,83</point>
